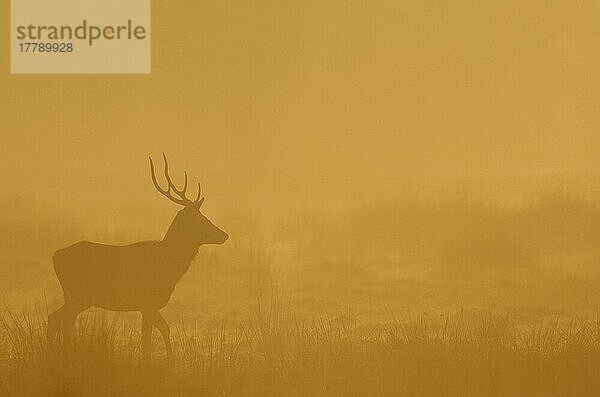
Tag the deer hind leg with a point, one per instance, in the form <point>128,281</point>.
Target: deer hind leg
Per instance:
<point>68,322</point>
<point>163,327</point>
<point>54,324</point>
<point>62,319</point>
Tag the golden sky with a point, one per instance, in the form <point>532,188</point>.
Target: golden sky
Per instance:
<point>257,98</point>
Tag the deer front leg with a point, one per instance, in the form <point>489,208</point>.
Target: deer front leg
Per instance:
<point>147,321</point>
<point>163,327</point>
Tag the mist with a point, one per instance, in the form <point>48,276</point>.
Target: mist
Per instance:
<point>287,101</point>
<point>400,182</point>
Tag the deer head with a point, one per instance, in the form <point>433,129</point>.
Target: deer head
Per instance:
<point>190,225</point>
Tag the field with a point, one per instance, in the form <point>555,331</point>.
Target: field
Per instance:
<point>449,295</point>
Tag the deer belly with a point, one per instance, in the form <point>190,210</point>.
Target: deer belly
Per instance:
<point>120,294</point>
<point>127,301</point>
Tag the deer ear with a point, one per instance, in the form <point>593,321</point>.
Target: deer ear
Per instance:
<point>199,203</point>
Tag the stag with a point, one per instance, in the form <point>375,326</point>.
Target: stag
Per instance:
<point>136,277</point>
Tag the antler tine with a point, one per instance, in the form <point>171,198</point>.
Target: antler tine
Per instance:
<point>180,193</point>
<point>199,193</point>
<point>167,170</point>
<point>167,192</point>
<point>199,201</point>
<point>184,183</point>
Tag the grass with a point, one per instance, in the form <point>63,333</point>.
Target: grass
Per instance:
<point>274,353</point>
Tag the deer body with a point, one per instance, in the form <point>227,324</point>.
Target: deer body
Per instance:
<point>123,278</point>
<point>136,277</point>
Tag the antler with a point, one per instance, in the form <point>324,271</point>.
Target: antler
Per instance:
<point>181,199</point>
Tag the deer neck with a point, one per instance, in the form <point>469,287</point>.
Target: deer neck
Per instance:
<point>180,249</point>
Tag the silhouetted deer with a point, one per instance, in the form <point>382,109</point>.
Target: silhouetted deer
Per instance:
<point>137,277</point>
